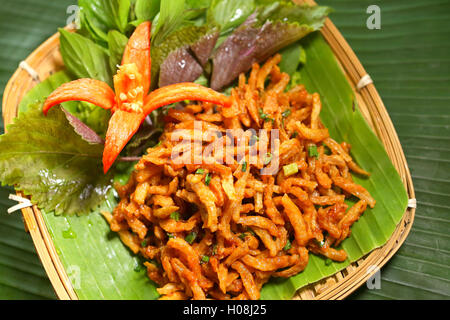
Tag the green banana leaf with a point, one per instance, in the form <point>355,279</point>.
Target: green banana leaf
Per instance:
<point>414,88</point>
<point>408,59</point>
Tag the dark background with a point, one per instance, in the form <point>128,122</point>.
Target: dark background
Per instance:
<point>409,61</point>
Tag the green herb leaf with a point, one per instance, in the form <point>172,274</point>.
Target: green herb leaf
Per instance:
<point>244,166</point>
<point>146,10</point>
<point>207,179</point>
<point>116,44</point>
<point>312,151</point>
<point>229,13</point>
<point>286,113</point>
<point>267,158</point>
<point>264,116</point>
<point>170,17</point>
<point>288,245</point>
<point>100,16</point>
<point>190,238</point>
<point>84,58</point>
<point>175,215</point>
<point>200,171</point>
<point>44,157</point>
<point>205,259</point>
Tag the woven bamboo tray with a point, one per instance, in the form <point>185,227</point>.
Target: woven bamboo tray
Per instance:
<point>46,60</point>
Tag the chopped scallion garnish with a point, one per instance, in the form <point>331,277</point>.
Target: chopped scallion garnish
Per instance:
<point>205,259</point>
<point>264,116</point>
<point>191,237</point>
<point>175,215</point>
<point>207,179</point>
<point>244,166</point>
<point>290,169</point>
<point>286,113</point>
<point>200,171</point>
<point>312,151</point>
<point>267,158</point>
<point>288,245</point>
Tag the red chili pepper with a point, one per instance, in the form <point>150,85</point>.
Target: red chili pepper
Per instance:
<point>130,103</point>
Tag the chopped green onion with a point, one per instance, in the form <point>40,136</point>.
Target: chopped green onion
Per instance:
<point>214,249</point>
<point>321,243</point>
<point>295,134</point>
<point>267,158</point>
<point>242,236</point>
<point>207,179</point>
<point>191,237</point>
<point>290,169</point>
<point>144,243</point>
<point>244,166</point>
<point>286,113</point>
<point>288,245</point>
<point>170,236</point>
<point>200,171</point>
<point>175,216</point>
<point>205,259</point>
<point>253,139</point>
<point>264,116</point>
<point>312,151</point>
<point>328,262</point>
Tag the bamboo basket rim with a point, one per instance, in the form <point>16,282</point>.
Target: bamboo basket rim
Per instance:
<point>337,286</point>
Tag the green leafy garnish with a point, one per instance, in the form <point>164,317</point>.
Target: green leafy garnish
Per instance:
<point>44,157</point>
<point>267,158</point>
<point>312,151</point>
<point>116,43</point>
<point>190,238</point>
<point>98,17</point>
<point>175,216</point>
<point>286,113</point>
<point>207,179</point>
<point>244,166</point>
<point>84,58</point>
<point>229,13</point>
<point>205,259</point>
<point>288,245</point>
<point>200,171</point>
<point>264,116</point>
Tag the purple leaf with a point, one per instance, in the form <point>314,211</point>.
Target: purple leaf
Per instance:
<point>82,129</point>
<point>249,44</point>
<point>203,48</point>
<point>179,66</point>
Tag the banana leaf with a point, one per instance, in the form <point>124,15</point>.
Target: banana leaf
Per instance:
<point>408,61</point>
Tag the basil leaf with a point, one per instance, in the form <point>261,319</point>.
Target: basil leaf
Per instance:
<point>170,17</point>
<point>116,44</point>
<point>97,17</point>
<point>230,13</point>
<point>146,10</point>
<point>84,58</point>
